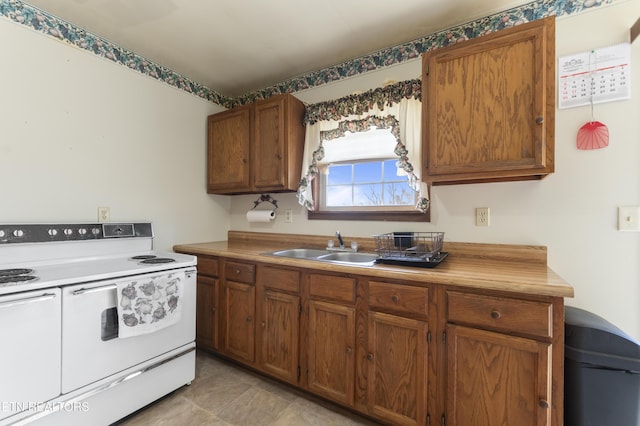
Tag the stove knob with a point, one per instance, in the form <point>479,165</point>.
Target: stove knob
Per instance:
<point>68,231</point>
<point>52,232</point>
<point>95,231</point>
<point>18,233</point>
<point>82,231</point>
<point>2,233</point>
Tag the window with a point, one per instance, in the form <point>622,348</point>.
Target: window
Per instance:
<point>370,185</point>
<point>359,157</point>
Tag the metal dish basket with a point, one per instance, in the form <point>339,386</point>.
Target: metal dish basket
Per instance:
<point>409,246</point>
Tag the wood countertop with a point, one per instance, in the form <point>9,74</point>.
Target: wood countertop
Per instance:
<point>512,268</point>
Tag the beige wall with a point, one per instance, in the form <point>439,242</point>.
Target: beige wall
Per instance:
<point>573,212</point>
<point>78,132</point>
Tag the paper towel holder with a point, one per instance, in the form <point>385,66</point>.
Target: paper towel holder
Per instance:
<point>265,198</point>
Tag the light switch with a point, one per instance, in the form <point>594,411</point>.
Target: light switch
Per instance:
<point>629,218</point>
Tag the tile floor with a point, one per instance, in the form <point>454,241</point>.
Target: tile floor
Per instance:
<point>223,394</point>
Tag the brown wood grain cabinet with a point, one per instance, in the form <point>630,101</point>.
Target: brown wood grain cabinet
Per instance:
<point>397,356</point>
<point>499,361</point>
<point>278,337</point>
<point>239,311</point>
<point>489,106</point>
<point>331,337</point>
<point>208,287</point>
<point>401,352</point>
<point>256,147</point>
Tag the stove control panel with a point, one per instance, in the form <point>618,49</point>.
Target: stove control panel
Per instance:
<point>44,233</point>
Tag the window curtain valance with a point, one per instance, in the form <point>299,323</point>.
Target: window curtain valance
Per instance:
<point>397,107</point>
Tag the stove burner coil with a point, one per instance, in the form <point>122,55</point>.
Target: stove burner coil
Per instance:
<point>143,257</point>
<point>14,272</point>
<point>16,278</point>
<point>156,260</point>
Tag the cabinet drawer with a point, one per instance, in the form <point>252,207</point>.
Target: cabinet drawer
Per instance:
<point>398,298</point>
<point>280,279</point>
<point>511,315</point>
<point>208,266</point>
<point>331,287</point>
<point>240,272</point>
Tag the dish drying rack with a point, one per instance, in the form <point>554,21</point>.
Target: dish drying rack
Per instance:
<point>410,248</point>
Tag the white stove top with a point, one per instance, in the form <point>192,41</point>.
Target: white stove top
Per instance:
<point>60,262</point>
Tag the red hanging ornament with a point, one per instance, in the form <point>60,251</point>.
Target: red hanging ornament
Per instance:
<point>593,135</point>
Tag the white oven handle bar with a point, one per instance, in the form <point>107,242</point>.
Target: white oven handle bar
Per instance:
<point>100,389</point>
<point>83,290</point>
<point>33,299</point>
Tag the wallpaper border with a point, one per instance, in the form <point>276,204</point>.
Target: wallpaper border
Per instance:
<point>51,26</point>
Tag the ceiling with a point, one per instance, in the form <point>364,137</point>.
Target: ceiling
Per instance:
<point>235,47</point>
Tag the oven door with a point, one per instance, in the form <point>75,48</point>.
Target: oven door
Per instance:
<point>30,352</point>
<point>91,348</point>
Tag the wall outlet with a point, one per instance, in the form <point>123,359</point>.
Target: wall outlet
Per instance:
<point>288,216</point>
<point>482,216</point>
<point>103,214</point>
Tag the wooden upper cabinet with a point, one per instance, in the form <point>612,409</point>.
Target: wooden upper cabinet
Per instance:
<point>228,157</point>
<point>489,107</point>
<point>257,147</point>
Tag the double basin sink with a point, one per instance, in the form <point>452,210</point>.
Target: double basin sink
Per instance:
<point>343,257</point>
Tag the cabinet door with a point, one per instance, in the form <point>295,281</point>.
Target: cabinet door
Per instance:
<point>496,379</point>
<point>269,144</point>
<point>331,365</point>
<point>397,378</point>
<point>489,106</point>
<point>280,335</point>
<point>228,160</point>
<point>207,313</point>
<point>239,311</point>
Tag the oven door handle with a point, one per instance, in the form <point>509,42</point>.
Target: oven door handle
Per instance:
<point>32,299</point>
<point>83,290</point>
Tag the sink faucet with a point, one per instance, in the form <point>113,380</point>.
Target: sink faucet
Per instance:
<point>340,240</point>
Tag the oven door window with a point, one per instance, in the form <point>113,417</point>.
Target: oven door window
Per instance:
<point>109,322</point>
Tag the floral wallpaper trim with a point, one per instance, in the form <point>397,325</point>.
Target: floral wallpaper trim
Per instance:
<point>363,102</point>
<point>413,49</point>
<point>24,14</point>
<point>42,22</point>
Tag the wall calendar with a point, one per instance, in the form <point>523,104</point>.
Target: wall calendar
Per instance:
<point>597,76</point>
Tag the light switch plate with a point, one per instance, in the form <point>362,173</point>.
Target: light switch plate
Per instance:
<point>629,218</point>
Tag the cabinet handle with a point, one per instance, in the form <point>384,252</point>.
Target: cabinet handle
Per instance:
<point>543,403</point>
<point>495,314</point>
<point>213,310</point>
<point>249,318</point>
<point>370,357</point>
<point>237,271</point>
<point>349,350</point>
<point>263,324</point>
<point>395,298</point>
<point>539,120</point>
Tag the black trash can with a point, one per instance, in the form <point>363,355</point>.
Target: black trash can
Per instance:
<point>601,372</point>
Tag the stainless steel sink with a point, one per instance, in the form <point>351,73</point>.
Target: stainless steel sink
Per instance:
<point>300,253</point>
<point>352,258</point>
<point>349,257</point>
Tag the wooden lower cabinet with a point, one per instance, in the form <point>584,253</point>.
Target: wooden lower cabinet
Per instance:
<point>371,346</point>
<point>496,379</point>
<point>331,361</point>
<point>279,336</point>
<point>239,319</point>
<point>397,373</point>
<point>207,313</point>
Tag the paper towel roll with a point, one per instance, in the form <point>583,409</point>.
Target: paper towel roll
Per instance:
<point>261,215</point>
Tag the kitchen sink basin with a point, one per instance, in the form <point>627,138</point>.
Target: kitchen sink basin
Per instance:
<point>352,258</point>
<point>300,253</point>
<point>349,257</point>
